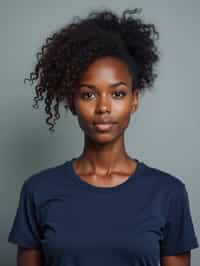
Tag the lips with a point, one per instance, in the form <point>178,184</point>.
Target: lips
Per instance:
<point>103,126</point>
<point>103,121</point>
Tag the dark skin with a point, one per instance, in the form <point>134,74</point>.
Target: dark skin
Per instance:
<point>104,160</point>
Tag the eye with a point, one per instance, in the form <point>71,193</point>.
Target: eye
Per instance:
<point>88,95</point>
<point>119,92</point>
<point>84,94</point>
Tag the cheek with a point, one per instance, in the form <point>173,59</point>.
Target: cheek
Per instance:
<point>85,116</point>
<point>86,113</point>
<point>122,111</point>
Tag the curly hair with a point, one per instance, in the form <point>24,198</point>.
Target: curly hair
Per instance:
<point>68,52</point>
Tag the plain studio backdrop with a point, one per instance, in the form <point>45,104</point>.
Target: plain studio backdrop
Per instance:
<point>164,132</point>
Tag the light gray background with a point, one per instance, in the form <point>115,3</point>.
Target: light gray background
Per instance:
<point>164,132</point>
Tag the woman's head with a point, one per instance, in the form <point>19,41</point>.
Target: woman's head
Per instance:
<point>69,52</point>
<point>105,100</point>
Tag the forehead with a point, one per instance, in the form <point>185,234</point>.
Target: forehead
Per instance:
<point>107,69</point>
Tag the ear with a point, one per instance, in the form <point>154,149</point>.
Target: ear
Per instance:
<point>135,100</point>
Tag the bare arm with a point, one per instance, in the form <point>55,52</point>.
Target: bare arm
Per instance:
<point>178,260</point>
<point>29,257</point>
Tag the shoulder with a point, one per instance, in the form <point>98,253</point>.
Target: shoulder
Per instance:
<point>164,189</point>
<point>47,183</point>
<point>162,179</point>
<point>44,176</point>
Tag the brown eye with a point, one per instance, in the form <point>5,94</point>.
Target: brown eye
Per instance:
<point>117,93</point>
<point>85,95</point>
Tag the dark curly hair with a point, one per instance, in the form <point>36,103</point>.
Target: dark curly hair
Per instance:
<point>68,52</point>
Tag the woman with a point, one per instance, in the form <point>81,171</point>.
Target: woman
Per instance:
<point>103,207</point>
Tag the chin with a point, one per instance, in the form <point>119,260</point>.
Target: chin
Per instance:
<point>102,138</point>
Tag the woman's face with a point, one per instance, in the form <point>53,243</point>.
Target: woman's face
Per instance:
<point>104,100</point>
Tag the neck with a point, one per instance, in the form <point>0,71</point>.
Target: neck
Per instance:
<point>105,157</point>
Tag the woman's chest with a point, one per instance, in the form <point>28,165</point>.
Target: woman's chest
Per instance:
<point>77,225</point>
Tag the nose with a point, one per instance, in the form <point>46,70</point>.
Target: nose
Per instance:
<point>103,104</point>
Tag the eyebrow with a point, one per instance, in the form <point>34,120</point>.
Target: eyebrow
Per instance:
<point>112,85</point>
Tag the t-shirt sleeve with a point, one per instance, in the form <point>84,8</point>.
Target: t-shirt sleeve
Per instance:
<point>179,233</point>
<point>25,228</point>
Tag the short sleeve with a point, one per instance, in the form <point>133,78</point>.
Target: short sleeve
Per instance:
<point>25,228</point>
<point>179,233</point>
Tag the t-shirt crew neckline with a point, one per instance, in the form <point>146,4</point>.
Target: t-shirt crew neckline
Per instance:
<point>85,185</point>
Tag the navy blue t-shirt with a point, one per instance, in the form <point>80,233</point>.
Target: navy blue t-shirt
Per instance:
<point>75,223</point>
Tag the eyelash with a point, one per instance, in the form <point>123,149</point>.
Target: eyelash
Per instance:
<point>86,93</point>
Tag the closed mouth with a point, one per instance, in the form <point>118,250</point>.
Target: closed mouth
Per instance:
<point>103,126</point>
